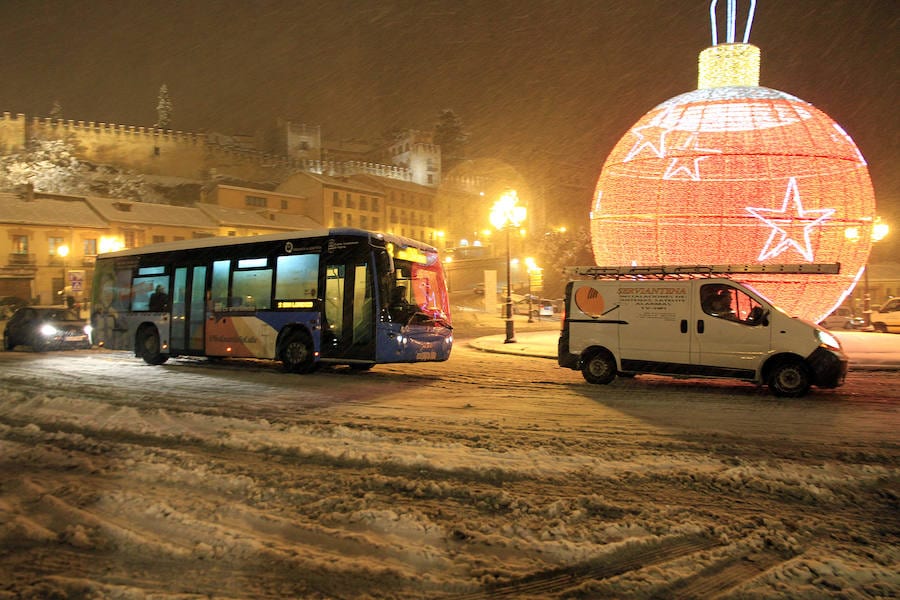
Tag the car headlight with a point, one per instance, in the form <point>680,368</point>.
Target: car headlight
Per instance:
<point>88,329</point>
<point>48,330</point>
<point>827,339</point>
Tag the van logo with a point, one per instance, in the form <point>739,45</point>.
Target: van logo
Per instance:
<point>590,301</point>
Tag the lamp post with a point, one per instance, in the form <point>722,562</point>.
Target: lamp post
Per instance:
<point>531,270</point>
<point>507,214</point>
<point>63,253</point>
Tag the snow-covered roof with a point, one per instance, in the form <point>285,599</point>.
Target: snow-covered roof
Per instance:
<point>126,211</point>
<point>225,216</point>
<point>342,182</point>
<point>68,212</point>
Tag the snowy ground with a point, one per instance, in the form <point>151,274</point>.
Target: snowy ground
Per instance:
<point>486,476</point>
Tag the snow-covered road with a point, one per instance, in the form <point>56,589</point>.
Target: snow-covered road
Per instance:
<point>486,476</point>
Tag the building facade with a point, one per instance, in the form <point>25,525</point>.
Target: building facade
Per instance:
<point>49,242</point>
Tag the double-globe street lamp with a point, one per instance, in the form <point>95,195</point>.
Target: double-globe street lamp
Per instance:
<point>506,214</point>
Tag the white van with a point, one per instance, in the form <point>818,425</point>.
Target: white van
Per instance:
<point>670,321</point>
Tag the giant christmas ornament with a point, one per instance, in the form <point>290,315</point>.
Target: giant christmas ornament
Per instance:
<point>735,173</point>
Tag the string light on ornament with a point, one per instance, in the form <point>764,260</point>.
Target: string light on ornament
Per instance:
<point>738,173</point>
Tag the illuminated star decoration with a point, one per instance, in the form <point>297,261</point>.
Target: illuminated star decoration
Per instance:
<point>790,224</point>
<point>654,139</point>
<point>675,171</point>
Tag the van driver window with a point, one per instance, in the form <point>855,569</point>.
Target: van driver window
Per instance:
<point>725,302</point>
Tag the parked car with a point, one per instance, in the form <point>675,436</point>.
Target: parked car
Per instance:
<point>842,318</point>
<point>539,306</point>
<point>46,328</point>
<point>887,318</point>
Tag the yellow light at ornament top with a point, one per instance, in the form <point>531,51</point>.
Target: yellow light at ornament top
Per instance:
<point>735,173</point>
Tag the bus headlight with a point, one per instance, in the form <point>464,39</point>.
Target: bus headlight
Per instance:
<point>48,330</point>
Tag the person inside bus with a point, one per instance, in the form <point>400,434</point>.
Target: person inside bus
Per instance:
<point>400,308</point>
<point>159,300</point>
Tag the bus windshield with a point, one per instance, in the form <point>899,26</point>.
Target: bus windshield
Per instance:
<point>423,286</point>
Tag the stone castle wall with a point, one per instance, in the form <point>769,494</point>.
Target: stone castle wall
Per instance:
<point>171,153</point>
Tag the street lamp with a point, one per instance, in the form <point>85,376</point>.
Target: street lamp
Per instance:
<point>506,214</point>
<point>880,230</point>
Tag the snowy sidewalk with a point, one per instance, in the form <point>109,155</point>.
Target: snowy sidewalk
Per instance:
<point>866,350</point>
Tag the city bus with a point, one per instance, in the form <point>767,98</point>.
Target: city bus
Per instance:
<point>332,296</point>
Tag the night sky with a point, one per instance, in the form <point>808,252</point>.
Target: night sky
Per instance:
<point>532,81</point>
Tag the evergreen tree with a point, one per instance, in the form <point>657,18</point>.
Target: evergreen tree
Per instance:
<point>56,113</point>
<point>451,137</point>
<point>163,108</point>
<point>560,249</point>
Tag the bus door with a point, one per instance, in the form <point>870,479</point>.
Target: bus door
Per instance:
<point>349,320</point>
<point>188,310</point>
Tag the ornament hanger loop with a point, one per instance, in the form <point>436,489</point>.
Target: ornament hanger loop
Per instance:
<point>731,17</point>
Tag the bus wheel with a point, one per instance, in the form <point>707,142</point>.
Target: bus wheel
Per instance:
<point>599,367</point>
<point>297,354</point>
<point>789,379</point>
<point>148,346</point>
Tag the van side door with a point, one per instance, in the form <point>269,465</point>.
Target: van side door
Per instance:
<point>654,335</point>
<point>731,335</point>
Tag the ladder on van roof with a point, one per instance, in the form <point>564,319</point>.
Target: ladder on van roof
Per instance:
<point>693,271</point>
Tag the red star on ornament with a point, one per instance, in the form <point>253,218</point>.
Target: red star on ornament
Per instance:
<point>789,229</point>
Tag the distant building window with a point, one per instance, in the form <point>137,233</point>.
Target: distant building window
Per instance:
<point>255,201</point>
<point>335,199</point>
<point>284,205</point>
<point>55,244</point>
<point>178,238</point>
<point>363,221</point>
<point>159,239</point>
<point>430,178</point>
<point>375,204</point>
<point>349,201</point>
<point>338,219</point>
<point>376,225</point>
<point>349,220</point>
<point>133,239</point>
<point>363,203</point>
<point>90,247</point>
<point>20,244</point>
<point>232,233</point>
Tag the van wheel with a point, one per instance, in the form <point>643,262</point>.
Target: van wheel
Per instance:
<point>599,367</point>
<point>297,354</point>
<point>790,379</point>
<point>148,346</point>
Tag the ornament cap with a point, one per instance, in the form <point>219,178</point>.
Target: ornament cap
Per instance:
<point>727,65</point>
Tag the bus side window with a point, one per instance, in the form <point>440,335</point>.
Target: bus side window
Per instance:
<point>297,277</point>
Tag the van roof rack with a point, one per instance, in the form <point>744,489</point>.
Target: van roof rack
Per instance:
<point>692,271</point>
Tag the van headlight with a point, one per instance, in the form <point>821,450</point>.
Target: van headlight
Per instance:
<point>88,330</point>
<point>827,339</point>
<point>48,330</point>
